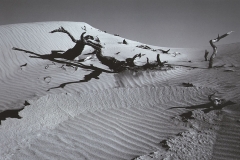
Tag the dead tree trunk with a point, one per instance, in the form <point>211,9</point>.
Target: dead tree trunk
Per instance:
<point>206,55</point>
<point>215,48</point>
<point>159,61</point>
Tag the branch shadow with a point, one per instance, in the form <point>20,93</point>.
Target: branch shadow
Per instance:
<point>88,77</point>
<point>55,54</point>
<point>10,114</point>
<point>207,107</point>
<point>13,113</point>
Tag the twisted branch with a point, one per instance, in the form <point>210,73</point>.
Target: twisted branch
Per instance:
<point>215,47</point>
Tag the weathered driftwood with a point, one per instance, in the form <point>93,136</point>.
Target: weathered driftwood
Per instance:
<point>109,61</point>
<point>118,66</point>
<point>215,48</point>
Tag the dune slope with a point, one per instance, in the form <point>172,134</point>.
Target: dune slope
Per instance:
<point>126,115</point>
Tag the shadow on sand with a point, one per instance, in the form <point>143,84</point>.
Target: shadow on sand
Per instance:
<point>64,60</point>
<point>12,113</point>
<point>207,107</point>
<point>88,77</point>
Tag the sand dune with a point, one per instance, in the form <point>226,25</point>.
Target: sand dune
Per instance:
<point>122,115</point>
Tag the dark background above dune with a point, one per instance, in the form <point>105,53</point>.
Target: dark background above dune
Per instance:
<point>171,23</point>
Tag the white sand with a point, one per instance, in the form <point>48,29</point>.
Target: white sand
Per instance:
<point>118,116</point>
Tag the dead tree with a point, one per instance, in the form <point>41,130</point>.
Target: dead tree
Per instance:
<point>111,62</point>
<point>215,48</point>
<point>72,53</point>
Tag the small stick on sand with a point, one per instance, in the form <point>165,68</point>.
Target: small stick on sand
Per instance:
<point>216,102</point>
<point>125,42</point>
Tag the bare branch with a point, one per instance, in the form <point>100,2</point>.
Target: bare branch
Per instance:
<point>61,29</point>
<point>220,37</point>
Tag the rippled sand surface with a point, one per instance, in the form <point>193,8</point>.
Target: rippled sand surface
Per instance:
<point>148,114</point>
